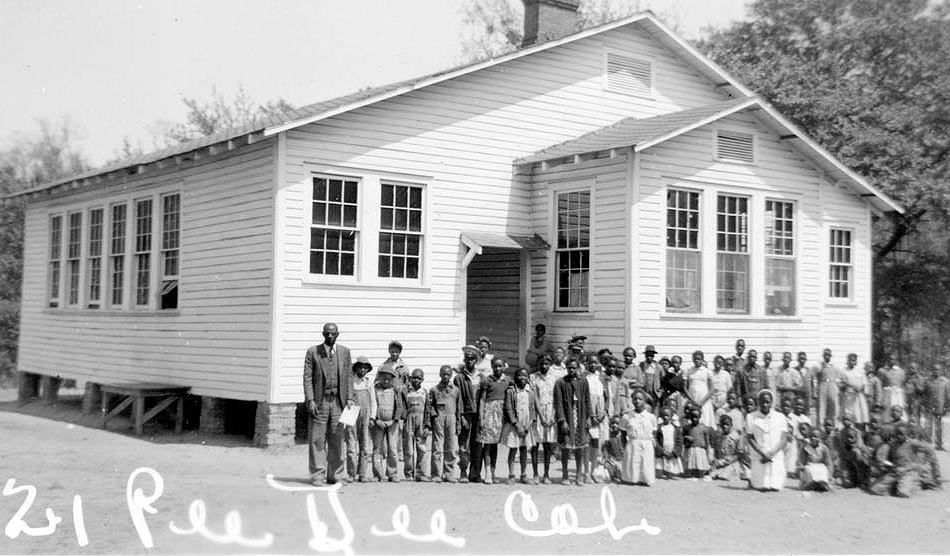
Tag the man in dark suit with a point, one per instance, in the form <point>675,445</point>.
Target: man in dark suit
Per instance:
<point>326,385</point>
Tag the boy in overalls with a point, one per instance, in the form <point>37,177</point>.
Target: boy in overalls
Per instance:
<point>445,408</point>
<point>415,436</point>
<point>390,411</point>
<point>359,441</point>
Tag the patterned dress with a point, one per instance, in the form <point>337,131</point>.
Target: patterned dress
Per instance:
<point>669,440</point>
<point>854,401</point>
<point>639,465</point>
<point>598,407</point>
<point>520,404</point>
<point>491,408</point>
<point>543,386</point>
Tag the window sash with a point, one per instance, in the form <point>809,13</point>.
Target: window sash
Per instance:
<point>73,254</point>
<point>143,251</point>
<point>684,280</point>
<point>117,246</point>
<point>780,287</point>
<point>55,258</point>
<point>841,264</point>
<point>334,227</point>
<point>400,230</point>
<point>94,258</point>
<point>171,235</point>
<point>572,255</point>
<point>732,283</point>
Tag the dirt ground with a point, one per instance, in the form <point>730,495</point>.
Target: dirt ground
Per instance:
<point>63,454</point>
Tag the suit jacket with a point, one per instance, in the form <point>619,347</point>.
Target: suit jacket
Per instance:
<point>317,364</point>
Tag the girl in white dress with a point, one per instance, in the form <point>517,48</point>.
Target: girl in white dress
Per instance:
<point>699,389</point>
<point>767,435</point>
<point>639,465</point>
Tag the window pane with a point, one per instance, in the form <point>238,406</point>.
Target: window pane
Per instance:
<point>316,262</point>
<point>415,221</point>
<point>415,198</point>
<point>349,216</point>
<point>683,275</point>
<point>319,189</point>
<point>335,191</point>
<point>732,283</point>
<point>401,218</point>
<point>402,196</point>
<point>779,286</point>
<point>334,215</point>
<point>351,192</point>
<point>387,196</point>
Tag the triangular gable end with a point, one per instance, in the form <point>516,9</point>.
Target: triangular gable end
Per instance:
<point>644,133</point>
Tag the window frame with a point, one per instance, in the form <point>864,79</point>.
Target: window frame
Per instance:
<point>793,257</point>
<point>147,253</point>
<point>91,258</point>
<point>749,216</point>
<point>107,257</point>
<point>54,265</point>
<point>700,244</point>
<point>831,263</point>
<point>369,191</point>
<point>74,264</point>
<point>421,234</point>
<point>553,266</point>
<point>163,251</point>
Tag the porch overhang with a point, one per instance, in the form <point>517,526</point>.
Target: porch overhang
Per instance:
<point>476,241</point>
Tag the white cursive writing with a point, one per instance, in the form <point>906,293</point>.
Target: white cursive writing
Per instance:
<point>139,503</point>
<point>564,520</point>
<point>79,522</point>
<point>436,529</point>
<point>17,525</point>
<point>197,514</point>
<point>321,541</point>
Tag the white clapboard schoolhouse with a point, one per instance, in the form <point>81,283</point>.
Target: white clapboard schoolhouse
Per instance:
<point>612,182</point>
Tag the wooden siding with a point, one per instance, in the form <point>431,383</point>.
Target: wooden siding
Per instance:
<point>494,302</point>
<point>460,137</point>
<point>217,342</point>
<point>604,322</point>
<point>780,173</point>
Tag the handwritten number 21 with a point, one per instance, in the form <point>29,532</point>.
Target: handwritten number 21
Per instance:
<point>18,524</point>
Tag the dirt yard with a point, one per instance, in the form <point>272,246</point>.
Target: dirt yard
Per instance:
<point>63,455</point>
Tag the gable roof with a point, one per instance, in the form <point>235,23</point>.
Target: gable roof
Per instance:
<point>643,133</point>
<point>307,114</point>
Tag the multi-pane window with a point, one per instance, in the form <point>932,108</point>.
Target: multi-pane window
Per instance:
<point>841,267</point>
<point>683,280</point>
<point>143,250</point>
<point>400,231</point>
<point>732,254</point>
<point>779,258</point>
<point>55,258</point>
<point>334,224</point>
<point>171,240</point>
<point>573,250</point>
<point>73,253</point>
<point>117,243</point>
<point>94,259</point>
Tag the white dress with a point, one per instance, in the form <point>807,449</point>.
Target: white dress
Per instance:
<point>698,386</point>
<point>767,431</point>
<point>639,464</point>
<point>598,407</point>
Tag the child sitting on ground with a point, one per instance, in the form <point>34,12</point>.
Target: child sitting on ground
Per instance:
<point>726,465</point>
<point>815,464</point>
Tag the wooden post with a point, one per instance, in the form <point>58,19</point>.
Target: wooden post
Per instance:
<point>180,414</point>
<point>139,412</point>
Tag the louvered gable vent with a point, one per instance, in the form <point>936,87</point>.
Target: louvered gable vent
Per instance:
<point>731,145</point>
<point>627,75</point>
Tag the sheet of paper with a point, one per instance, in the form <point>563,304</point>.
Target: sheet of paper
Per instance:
<point>349,415</point>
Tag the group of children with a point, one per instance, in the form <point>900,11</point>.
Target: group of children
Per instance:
<point>621,420</point>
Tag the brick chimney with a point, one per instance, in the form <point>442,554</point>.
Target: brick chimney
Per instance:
<point>546,20</point>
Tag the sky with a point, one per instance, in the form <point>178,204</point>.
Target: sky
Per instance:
<point>114,68</point>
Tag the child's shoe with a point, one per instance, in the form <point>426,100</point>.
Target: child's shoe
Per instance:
<point>511,479</point>
<point>524,480</point>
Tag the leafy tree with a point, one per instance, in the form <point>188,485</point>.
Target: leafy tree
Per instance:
<point>32,160</point>
<point>218,114</point>
<point>870,81</point>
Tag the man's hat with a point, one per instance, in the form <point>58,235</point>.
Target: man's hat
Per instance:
<point>417,373</point>
<point>577,338</point>
<point>362,360</point>
<point>470,348</point>
<point>385,371</point>
<point>650,349</point>
<point>573,346</point>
